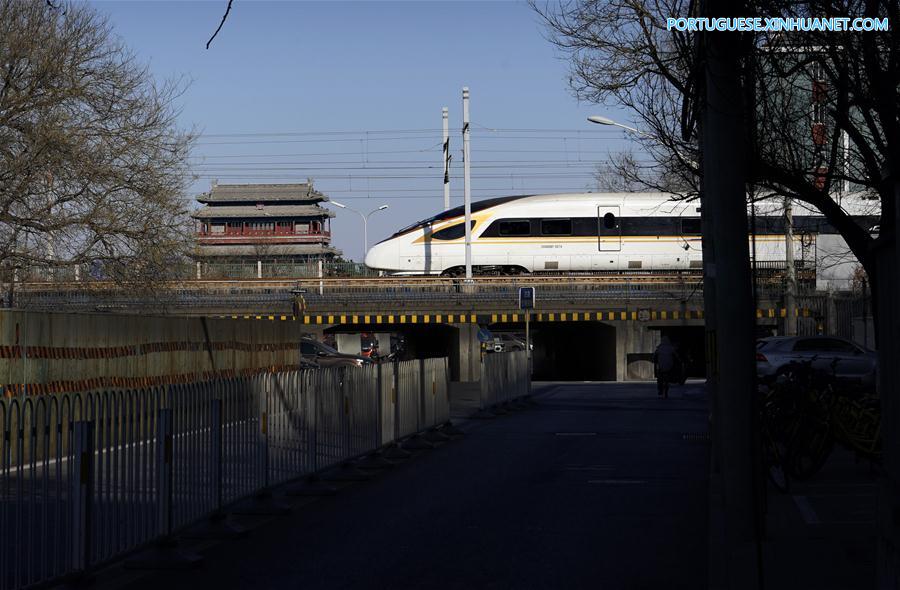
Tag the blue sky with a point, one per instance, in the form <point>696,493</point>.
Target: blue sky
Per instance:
<point>356,90</point>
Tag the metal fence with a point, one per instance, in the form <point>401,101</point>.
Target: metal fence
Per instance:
<point>86,477</point>
<point>845,314</point>
<point>187,270</point>
<point>505,377</point>
<point>358,295</point>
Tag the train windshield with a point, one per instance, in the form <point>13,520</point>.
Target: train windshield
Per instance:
<point>458,212</point>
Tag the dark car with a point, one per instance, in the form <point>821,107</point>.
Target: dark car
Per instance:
<point>313,352</point>
<point>845,360</point>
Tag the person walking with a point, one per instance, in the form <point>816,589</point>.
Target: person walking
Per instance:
<point>664,359</point>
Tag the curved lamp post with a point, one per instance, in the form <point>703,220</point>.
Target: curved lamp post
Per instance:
<point>365,218</point>
<point>607,121</point>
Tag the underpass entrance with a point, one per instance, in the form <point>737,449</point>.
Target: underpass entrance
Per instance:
<point>576,351</point>
<point>405,341</point>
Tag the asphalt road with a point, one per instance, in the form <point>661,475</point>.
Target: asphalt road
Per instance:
<point>598,486</point>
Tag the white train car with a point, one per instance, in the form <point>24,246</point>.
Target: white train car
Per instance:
<point>591,232</point>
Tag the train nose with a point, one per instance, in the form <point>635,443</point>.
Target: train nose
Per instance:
<point>384,256</point>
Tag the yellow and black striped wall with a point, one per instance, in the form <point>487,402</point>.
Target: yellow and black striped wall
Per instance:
<point>636,315</point>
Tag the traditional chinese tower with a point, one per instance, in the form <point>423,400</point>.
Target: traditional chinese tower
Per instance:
<point>263,224</point>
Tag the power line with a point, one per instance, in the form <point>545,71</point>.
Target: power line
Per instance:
<point>484,135</point>
<point>341,140</point>
<point>362,168</point>
<point>309,154</point>
<point>425,191</point>
<point>366,132</point>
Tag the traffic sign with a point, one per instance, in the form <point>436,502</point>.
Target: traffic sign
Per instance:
<point>484,335</point>
<point>526,297</point>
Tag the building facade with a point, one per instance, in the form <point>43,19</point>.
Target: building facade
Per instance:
<point>263,224</point>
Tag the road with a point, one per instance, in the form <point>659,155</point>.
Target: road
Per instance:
<point>598,486</point>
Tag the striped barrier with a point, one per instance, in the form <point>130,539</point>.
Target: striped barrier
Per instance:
<point>639,315</point>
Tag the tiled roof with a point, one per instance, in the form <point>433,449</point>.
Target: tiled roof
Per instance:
<point>224,193</point>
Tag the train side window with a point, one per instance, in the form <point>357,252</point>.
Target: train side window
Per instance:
<point>556,227</point>
<point>690,226</point>
<point>514,227</point>
<point>609,221</point>
<point>584,226</point>
<point>454,232</point>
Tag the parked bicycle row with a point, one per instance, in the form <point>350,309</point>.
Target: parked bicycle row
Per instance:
<point>807,409</point>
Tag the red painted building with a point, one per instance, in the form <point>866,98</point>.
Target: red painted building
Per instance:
<point>263,222</point>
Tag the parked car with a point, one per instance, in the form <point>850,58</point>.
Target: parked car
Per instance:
<point>506,343</point>
<point>321,355</point>
<point>842,358</point>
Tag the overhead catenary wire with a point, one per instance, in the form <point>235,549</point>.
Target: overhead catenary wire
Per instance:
<point>476,129</point>
<point>507,161</point>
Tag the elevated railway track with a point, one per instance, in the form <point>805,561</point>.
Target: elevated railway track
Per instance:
<point>389,281</point>
<point>582,292</point>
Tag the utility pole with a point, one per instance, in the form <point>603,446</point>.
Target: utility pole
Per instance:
<point>790,292</point>
<point>446,122</point>
<point>467,188</point>
<point>725,141</point>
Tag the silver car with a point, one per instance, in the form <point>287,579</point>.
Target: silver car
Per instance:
<point>318,354</point>
<point>507,343</point>
<point>845,360</point>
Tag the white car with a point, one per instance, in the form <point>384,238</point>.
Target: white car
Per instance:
<point>842,358</point>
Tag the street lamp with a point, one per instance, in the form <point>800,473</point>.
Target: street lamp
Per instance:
<point>365,218</point>
<point>607,121</point>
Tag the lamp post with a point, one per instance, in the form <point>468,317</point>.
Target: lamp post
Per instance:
<point>365,218</point>
<point>607,121</point>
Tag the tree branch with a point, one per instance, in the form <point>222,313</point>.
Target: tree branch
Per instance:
<point>224,17</point>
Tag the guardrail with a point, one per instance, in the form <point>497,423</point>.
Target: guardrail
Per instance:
<point>88,477</point>
<point>505,378</point>
<point>265,269</point>
<point>378,293</point>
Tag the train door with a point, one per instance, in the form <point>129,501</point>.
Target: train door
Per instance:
<point>609,229</point>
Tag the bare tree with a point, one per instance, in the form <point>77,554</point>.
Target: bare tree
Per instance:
<point>93,169</point>
<point>809,91</point>
<point>805,92</point>
<point>621,54</point>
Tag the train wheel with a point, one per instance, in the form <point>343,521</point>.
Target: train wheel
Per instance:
<point>515,271</point>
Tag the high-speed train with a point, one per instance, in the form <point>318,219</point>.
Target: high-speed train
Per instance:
<point>592,232</point>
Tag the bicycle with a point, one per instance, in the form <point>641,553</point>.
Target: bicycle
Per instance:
<point>773,444</point>
<point>829,413</point>
<point>803,424</point>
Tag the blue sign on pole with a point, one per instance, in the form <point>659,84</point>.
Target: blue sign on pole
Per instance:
<point>526,297</point>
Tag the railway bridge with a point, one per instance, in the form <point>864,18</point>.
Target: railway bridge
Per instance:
<point>586,327</point>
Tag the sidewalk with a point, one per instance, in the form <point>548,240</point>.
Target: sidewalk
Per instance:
<point>820,535</point>
<point>595,486</point>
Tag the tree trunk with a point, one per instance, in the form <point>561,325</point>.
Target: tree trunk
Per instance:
<point>725,150</point>
<point>885,295</point>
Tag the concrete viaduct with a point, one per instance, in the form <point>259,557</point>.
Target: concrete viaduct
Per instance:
<point>583,328</point>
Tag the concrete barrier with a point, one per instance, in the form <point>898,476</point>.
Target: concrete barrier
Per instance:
<point>57,352</point>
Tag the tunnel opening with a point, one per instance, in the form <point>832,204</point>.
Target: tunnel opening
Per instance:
<point>404,340</point>
<point>690,341</point>
<point>574,351</point>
